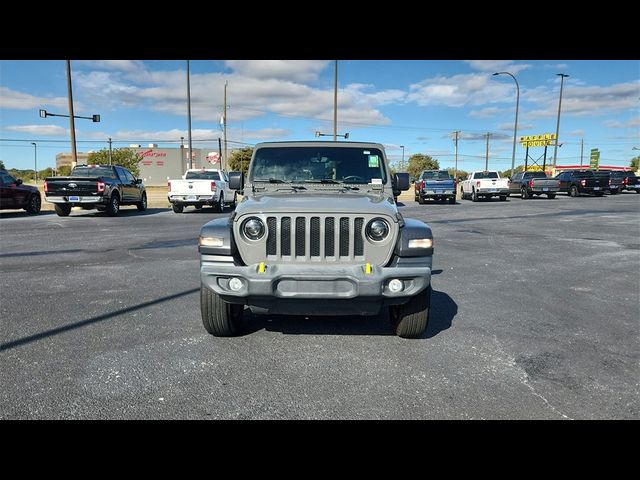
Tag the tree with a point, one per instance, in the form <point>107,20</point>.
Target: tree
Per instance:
<point>2,165</point>
<point>125,157</point>
<point>64,171</point>
<point>461,173</point>
<point>419,162</point>
<point>634,162</point>
<point>239,160</point>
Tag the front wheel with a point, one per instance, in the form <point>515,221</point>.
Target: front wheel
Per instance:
<point>503,198</point>
<point>420,200</point>
<point>474,195</point>
<point>220,319</point>
<point>524,193</point>
<point>142,204</point>
<point>574,191</point>
<point>63,210</point>
<point>34,204</point>
<point>411,319</point>
<point>220,205</point>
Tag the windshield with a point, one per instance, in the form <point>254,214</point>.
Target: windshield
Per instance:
<point>202,176</point>
<point>319,164</point>
<point>480,175</point>
<point>439,175</point>
<point>92,172</point>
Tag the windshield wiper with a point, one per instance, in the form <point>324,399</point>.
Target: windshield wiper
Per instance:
<point>321,180</point>
<point>294,187</point>
<point>271,180</point>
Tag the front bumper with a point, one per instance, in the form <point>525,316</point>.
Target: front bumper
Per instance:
<point>313,289</point>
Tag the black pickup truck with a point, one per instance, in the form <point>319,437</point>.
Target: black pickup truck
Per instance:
<point>576,182</point>
<point>528,184</point>
<point>104,187</point>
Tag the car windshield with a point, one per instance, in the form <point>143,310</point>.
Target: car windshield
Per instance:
<point>436,176</point>
<point>292,164</point>
<point>92,171</point>
<point>480,175</point>
<point>202,176</point>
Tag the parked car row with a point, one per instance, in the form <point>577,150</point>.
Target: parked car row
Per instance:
<point>439,185</point>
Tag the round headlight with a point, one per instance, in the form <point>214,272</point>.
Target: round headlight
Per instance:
<point>377,229</point>
<point>253,228</point>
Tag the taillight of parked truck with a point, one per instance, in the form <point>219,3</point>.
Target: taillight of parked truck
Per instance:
<point>478,184</point>
<point>100,187</point>
<point>46,187</point>
<point>213,186</point>
<point>530,183</point>
<point>422,183</point>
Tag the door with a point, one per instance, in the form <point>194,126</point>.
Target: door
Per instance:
<point>564,181</point>
<point>514,186</point>
<point>6,191</point>
<point>126,185</point>
<point>136,190</point>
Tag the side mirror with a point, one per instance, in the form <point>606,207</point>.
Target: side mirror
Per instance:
<point>18,182</point>
<point>402,181</point>
<point>138,181</point>
<point>184,176</point>
<point>236,180</point>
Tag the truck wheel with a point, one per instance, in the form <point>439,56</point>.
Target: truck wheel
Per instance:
<point>142,205</point>
<point>452,201</point>
<point>503,198</point>
<point>551,196</point>
<point>63,210</point>
<point>524,193</point>
<point>219,318</point>
<point>420,200</point>
<point>235,200</point>
<point>613,192</point>
<point>474,195</point>
<point>220,205</point>
<point>34,204</point>
<point>198,206</point>
<point>177,208</point>
<point>113,207</point>
<point>411,319</point>
<point>574,191</point>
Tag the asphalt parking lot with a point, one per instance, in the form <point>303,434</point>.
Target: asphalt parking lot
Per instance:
<point>535,315</point>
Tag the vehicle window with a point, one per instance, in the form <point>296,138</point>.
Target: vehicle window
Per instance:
<point>317,164</point>
<point>517,177</point>
<point>130,178</point>
<point>439,175</point>
<point>225,176</point>
<point>587,174</point>
<point>7,179</point>
<point>202,176</point>
<point>92,171</point>
<point>122,175</point>
<point>479,175</point>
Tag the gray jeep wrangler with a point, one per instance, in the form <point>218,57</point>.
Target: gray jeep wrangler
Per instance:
<point>317,233</point>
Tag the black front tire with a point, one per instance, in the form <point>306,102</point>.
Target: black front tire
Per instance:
<point>452,201</point>
<point>524,193</point>
<point>113,207</point>
<point>35,204</point>
<point>220,319</point>
<point>220,204</point>
<point>503,198</point>
<point>573,192</point>
<point>63,210</point>
<point>142,204</point>
<point>411,319</point>
<point>177,208</point>
<point>474,195</point>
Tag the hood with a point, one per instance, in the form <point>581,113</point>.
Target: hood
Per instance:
<point>321,202</point>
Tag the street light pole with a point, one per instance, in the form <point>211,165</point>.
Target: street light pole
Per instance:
<point>335,102</point>
<point>35,161</point>
<point>402,162</point>
<point>189,112</point>
<point>555,149</point>
<point>72,123</point>
<point>515,127</point>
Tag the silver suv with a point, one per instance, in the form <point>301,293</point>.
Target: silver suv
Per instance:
<point>317,233</point>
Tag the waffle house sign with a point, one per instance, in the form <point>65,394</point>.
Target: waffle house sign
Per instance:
<point>542,140</point>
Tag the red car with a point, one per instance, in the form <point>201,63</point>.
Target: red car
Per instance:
<point>14,194</point>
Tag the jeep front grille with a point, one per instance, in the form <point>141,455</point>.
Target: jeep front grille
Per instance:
<point>315,238</point>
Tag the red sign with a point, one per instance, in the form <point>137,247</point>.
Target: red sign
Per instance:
<point>151,153</point>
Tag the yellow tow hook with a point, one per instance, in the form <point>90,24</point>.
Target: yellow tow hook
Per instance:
<point>367,268</point>
<point>262,267</point>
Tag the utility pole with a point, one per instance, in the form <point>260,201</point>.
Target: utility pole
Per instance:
<point>402,162</point>
<point>220,153</point>
<point>35,161</point>
<point>555,149</point>
<point>225,121</point>
<point>455,176</point>
<point>189,112</point>
<point>72,123</point>
<point>486,160</point>
<point>110,151</point>
<point>581,149</point>
<point>335,102</point>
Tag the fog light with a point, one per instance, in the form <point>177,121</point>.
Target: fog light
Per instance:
<point>421,243</point>
<point>395,285</point>
<point>235,284</point>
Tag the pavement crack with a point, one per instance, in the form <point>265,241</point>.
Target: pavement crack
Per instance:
<point>524,379</point>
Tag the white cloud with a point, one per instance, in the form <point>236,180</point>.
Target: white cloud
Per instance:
<point>497,66</point>
<point>52,130</point>
<point>576,133</point>
<point>508,126</point>
<point>288,70</point>
<point>487,112</point>
<point>557,66</point>
<point>632,122</point>
<point>461,90</point>
<point>12,99</point>
<point>120,65</point>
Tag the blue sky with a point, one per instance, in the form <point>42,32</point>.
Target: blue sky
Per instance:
<point>412,103</point>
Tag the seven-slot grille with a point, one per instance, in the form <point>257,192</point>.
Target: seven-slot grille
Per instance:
<point>292,238</point>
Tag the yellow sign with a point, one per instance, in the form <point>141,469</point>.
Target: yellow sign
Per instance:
<point>538,140</point>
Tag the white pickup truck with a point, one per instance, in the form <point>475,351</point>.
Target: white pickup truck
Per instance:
<point>485,184</point>
<point>199,187</point>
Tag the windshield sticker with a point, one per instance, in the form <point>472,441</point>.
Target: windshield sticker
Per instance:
<point>373,161</point>
<point>376,181</point>
<point>366,152</point>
